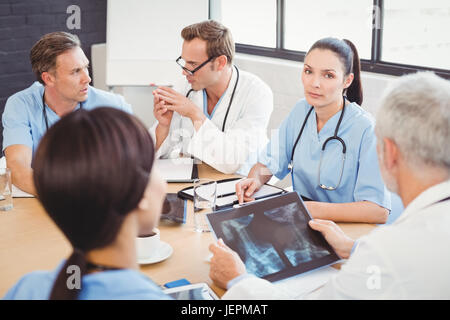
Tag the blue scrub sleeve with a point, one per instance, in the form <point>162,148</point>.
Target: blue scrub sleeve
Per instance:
<point>277,154</point>
<point>16,126</point>
<point>124,105</point>
<point>369,183</point>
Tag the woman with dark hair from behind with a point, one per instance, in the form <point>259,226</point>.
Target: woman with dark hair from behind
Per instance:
<point>327,142</point>
<point>93,175</point>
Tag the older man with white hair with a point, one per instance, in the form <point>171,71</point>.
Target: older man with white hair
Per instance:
<point>408,259</point>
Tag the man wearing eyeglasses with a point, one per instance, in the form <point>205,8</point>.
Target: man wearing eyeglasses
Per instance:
<point>220,114</point>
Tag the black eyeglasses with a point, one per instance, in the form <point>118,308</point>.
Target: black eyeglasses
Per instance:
<point>180,61</point>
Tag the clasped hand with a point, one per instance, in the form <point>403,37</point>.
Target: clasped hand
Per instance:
<point>168,100</point>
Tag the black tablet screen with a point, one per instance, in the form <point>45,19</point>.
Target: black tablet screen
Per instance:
<point>174,209</point>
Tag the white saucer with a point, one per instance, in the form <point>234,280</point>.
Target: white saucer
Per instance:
<point>165,251</point>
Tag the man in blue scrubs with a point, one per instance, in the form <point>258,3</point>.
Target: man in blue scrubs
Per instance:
<point>61,69</point>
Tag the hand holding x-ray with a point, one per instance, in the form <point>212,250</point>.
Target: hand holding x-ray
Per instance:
<point>334,235</point>
<point>225,264</point>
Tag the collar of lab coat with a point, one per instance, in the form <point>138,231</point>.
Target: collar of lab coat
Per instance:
<point>197,96</point>
<point>427,198</point>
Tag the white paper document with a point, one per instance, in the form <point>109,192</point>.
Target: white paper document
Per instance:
<point>228,188</point>
<point>17,193</point>
<point>175,170</point>
<point>299,286</point>
<point>222,188</point>
<point>263,193</point>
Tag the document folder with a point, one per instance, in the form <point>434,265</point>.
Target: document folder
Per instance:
<point>226,193</point>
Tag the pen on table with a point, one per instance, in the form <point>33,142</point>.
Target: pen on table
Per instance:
<point>226,195</point>
<point>238,205</point>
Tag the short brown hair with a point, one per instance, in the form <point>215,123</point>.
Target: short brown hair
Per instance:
<point>45,51</point>
<point>219,40</point>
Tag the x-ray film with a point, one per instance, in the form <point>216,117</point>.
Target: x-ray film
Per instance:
<point>273,237</point>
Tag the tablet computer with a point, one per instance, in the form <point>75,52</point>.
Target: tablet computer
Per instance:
<point>197,291</point>
<point>174,209</point>
<point>273,237</point>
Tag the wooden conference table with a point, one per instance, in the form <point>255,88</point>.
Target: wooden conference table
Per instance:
<point>30,241</point>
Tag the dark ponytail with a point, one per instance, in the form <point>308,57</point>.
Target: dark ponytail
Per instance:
<point>62,287</point>
<point>90,170</point>
<point>355,92</point>
<point>348,54</point>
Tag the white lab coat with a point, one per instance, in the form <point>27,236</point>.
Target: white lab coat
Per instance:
<point>409,259</point>
<point>245,129</point>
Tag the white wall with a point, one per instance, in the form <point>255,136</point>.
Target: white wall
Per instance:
<point>283,76</point>
<point>159,23</point>
<point>140,98</point>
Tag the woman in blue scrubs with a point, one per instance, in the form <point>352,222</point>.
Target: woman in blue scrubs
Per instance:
<point>94,176</point>
<point>327,142</point>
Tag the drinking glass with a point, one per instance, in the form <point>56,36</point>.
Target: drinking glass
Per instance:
<point>6,202</point>
<point>205,194</point>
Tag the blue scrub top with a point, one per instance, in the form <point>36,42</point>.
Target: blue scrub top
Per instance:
<point>205,104</point>
<point>23,119</point>
<point>125,284</point>
<point>361,179</point>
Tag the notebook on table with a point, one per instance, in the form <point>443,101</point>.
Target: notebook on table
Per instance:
<point>177,170</point>
<point>226,193</point>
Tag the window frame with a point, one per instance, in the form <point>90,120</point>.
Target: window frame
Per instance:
<point>375,64</point>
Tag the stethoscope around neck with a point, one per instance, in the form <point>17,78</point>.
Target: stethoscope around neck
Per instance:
<point>44,111</point>
<point>334,137</point>
<point>231,98</point>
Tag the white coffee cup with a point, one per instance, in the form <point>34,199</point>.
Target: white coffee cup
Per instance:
<point>148,245</point>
